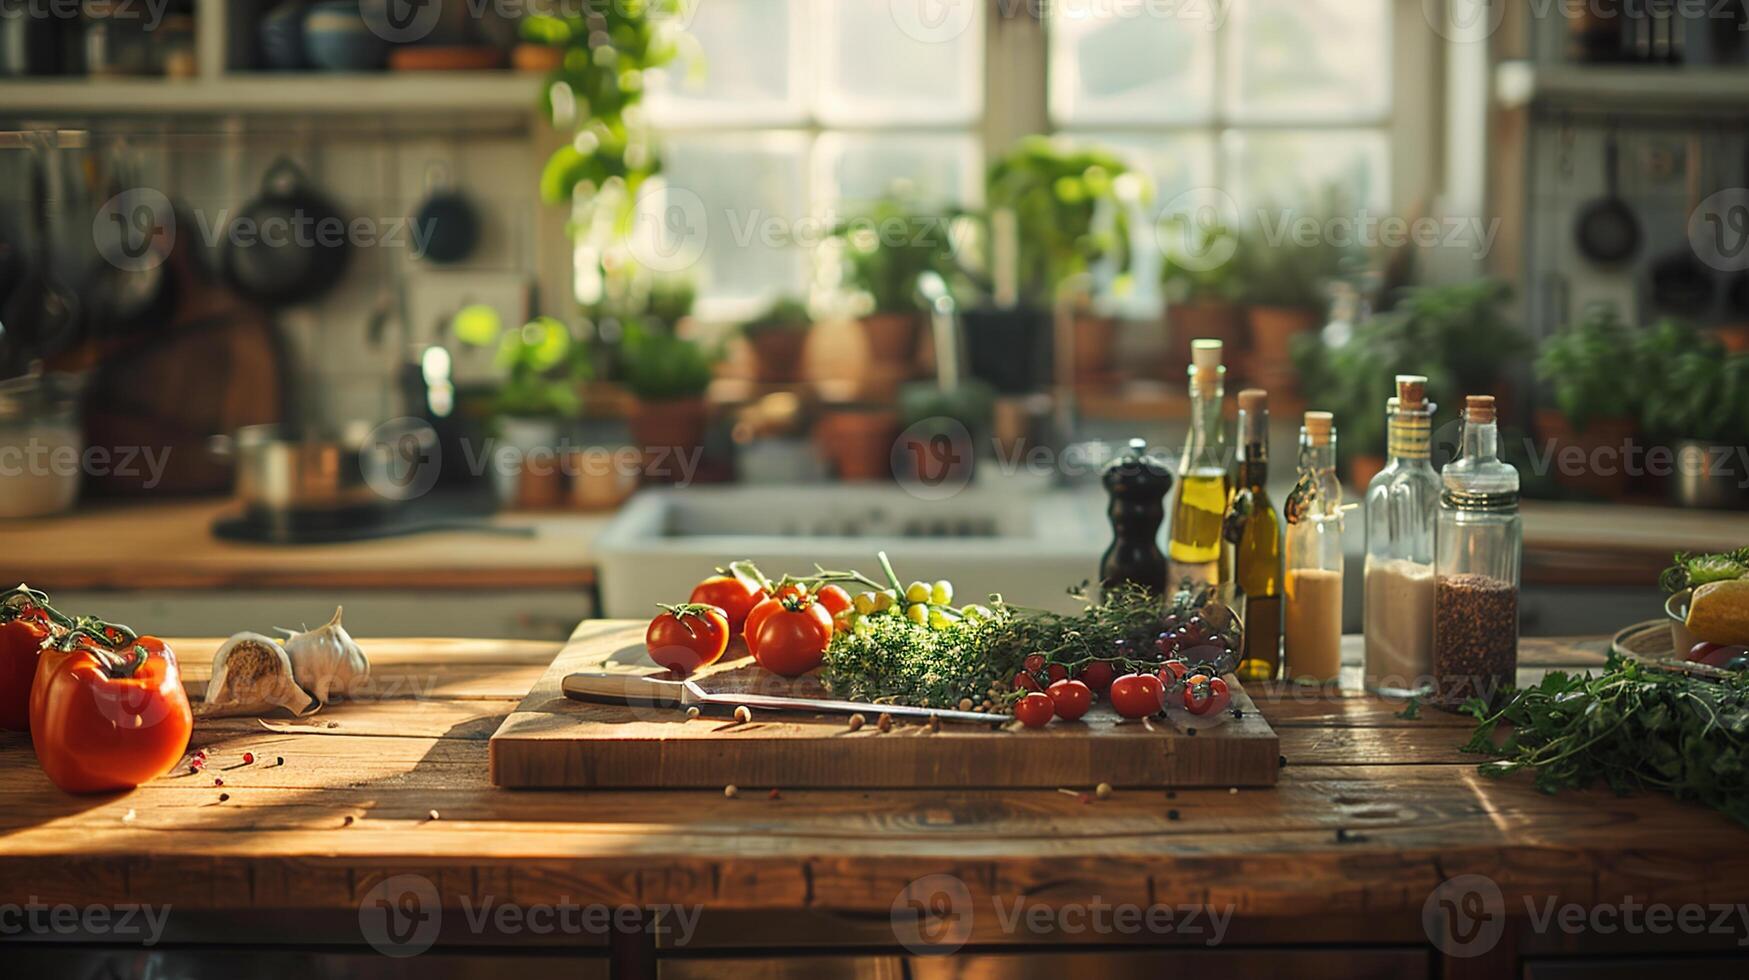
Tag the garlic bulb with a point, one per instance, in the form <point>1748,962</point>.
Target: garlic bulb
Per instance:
<point>325,660</point>
<point>252,676</point>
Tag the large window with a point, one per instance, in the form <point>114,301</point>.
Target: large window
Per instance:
<point>804,107</point>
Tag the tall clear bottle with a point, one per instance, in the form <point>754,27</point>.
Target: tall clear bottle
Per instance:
<point>1194,548</point>
<point>1478,549</point>
<point>1402,504</point>
<point>1252,544</point>
<point>1314,559</point>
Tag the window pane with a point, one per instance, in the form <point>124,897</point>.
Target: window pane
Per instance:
<point>1293,168</point>
<point>900,61</point>
<point>1132,62</point>
<point>934,169</point>
<point>723,85</point>
<point>750,195</point>
<point>1297,60</point>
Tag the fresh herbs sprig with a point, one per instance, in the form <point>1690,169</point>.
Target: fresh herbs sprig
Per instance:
<point>1694,570</point>
<point>1632,727</point>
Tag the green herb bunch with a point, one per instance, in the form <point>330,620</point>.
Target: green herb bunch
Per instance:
<point>1633,728</point>
<point>1695,570</point>
<point>1583,366</point>
<point>891,660</point>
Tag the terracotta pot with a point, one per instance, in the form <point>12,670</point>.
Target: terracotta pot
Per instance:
<point>859,444</point>
<point>664,428</point>
<point>1273,329</point>
<point>1362,468</point>
<point>1734,336</point>
<point>777,354</point>
<point>1600,469</point>
<point>1095,336</point>
<point>1186,322</point>
<point>891,337</point>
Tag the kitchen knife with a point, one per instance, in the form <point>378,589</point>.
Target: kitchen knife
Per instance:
<point>643,689</point>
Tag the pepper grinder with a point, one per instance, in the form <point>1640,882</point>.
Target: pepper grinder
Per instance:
<point>1137,484</point>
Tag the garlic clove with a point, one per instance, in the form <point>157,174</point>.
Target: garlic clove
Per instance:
<point>326,661</point>
<point>252,675</point>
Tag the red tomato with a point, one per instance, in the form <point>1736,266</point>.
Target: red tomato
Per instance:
<point>791,642</point>
<point>1137,695</point>
<point>735,596</point>
<point>1034,710</point>
<point>1205,695</point>
<point>1026,681</point>
<point>1034,663</point>
<point>1071,699</point>
<point>686,637</point>
<point>1173,671</point>
<point>1098,675</point>
<point>21,641</point>
<point>836,601</point>
<point>107,715</point>
<point>1056,672</point>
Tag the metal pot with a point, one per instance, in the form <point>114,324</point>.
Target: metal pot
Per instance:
<point>317,473</point>
<point>1704,478</point>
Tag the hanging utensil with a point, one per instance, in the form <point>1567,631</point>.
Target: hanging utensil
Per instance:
<point>447,225</point>
<point>1682,285</point>
<point>1607,232</point>
<point>289,245</point>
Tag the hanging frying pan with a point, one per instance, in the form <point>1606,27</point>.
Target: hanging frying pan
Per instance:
<point>289,245</point>
<point>1606,230</point>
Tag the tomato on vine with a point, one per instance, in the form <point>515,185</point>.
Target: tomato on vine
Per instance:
<point>789,635</point>
<point>1205,695</point>
<point>687,636</point>
<point>731,593</point>
<point>1035,710</point>
<point>1071,699</point>
<point>1137,695</point>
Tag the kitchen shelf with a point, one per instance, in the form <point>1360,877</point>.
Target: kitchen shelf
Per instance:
<point>503,92</point>
<point>1625,88</point>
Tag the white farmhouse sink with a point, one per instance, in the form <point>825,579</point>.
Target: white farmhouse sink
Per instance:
<point>1028,545</point>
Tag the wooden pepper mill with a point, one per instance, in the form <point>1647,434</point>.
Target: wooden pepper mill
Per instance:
<point>1138,484</point>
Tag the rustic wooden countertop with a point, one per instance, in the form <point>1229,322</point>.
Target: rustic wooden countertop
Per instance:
<point>1371,813</point>
<point>171,546</point>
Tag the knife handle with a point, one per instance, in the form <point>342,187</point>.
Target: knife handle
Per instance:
<point>624,689</point>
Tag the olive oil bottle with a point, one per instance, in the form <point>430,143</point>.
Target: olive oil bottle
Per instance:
<point>1194,549</point>
<point>1251,544</point>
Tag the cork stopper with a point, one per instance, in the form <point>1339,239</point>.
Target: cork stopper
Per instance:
<point>1411,391</point>
<point>1253,400</point>
<point>1318,427</point>
<point>1205,353</point>
<point>1479,409</point>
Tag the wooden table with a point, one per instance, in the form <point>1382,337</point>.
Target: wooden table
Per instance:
<point>1372,813</point>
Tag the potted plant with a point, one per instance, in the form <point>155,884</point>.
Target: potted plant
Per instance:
<point>1594,410</point>
<point>886,248</point>
<point>858,441</point>
<point>1286,276</point>
<point>1057,208</point>
<point>543,372</point>
<point>1200,281</point>
<point>777,338</point>
<point>667,376</point>
<point>1697,396</point>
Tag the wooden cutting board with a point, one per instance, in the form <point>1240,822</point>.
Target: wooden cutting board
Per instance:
<point>552,741</point>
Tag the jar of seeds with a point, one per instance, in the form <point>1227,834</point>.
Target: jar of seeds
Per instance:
<point>1480,538</point>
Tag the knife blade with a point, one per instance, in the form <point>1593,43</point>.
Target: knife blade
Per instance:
<point>605,688</point>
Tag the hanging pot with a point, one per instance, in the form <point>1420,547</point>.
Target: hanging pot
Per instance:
<point>289,245</point>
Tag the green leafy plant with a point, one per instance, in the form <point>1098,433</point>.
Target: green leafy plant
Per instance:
<point>887,246</point>
<point>1690,388</point>
<point>543,368</point>
<point>786,313</point>
<point>1693,570</point>
<point>1583,365</point>
<point>657,366</point>
<point>1457,336</point>
<point>1633,727</point>
<point>1280,264</point>
<point>1191,274</point>
<point>1056,191</point>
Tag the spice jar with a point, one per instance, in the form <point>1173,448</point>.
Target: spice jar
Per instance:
<point>1401,507</point>
<point>1313,630</point>
<point>1479,542</point>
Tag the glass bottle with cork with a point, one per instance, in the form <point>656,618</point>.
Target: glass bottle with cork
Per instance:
<point>1401,507</point>
<point>1194,548</point>
<point>1251,545</point>
<point>1478,548</point>
<point>1313,633</point>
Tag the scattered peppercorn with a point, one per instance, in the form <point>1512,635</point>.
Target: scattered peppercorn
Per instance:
<point>774,794</point>
<point>1172,794</point>
<point>743,714</point>
<point>884,722</point>
<point>433,815</point>
<point>731,791</point>
<point>218,780</point>
<point>1103,791</point>
<point>1190,731</point>
<point>1238,712</point>
<point>223,797</point>
<point>965,704</point>
<point>1172,814</point>
<point>333,724</point>
<point>935,723</point>
<point>1281,762</point>
<point>248,758</point>
<point>279,760</point>
<point>857,721</point>
<point>347,822</point>
<point>1345,836</point>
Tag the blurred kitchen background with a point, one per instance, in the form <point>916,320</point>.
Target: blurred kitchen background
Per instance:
<point>482,317</point>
